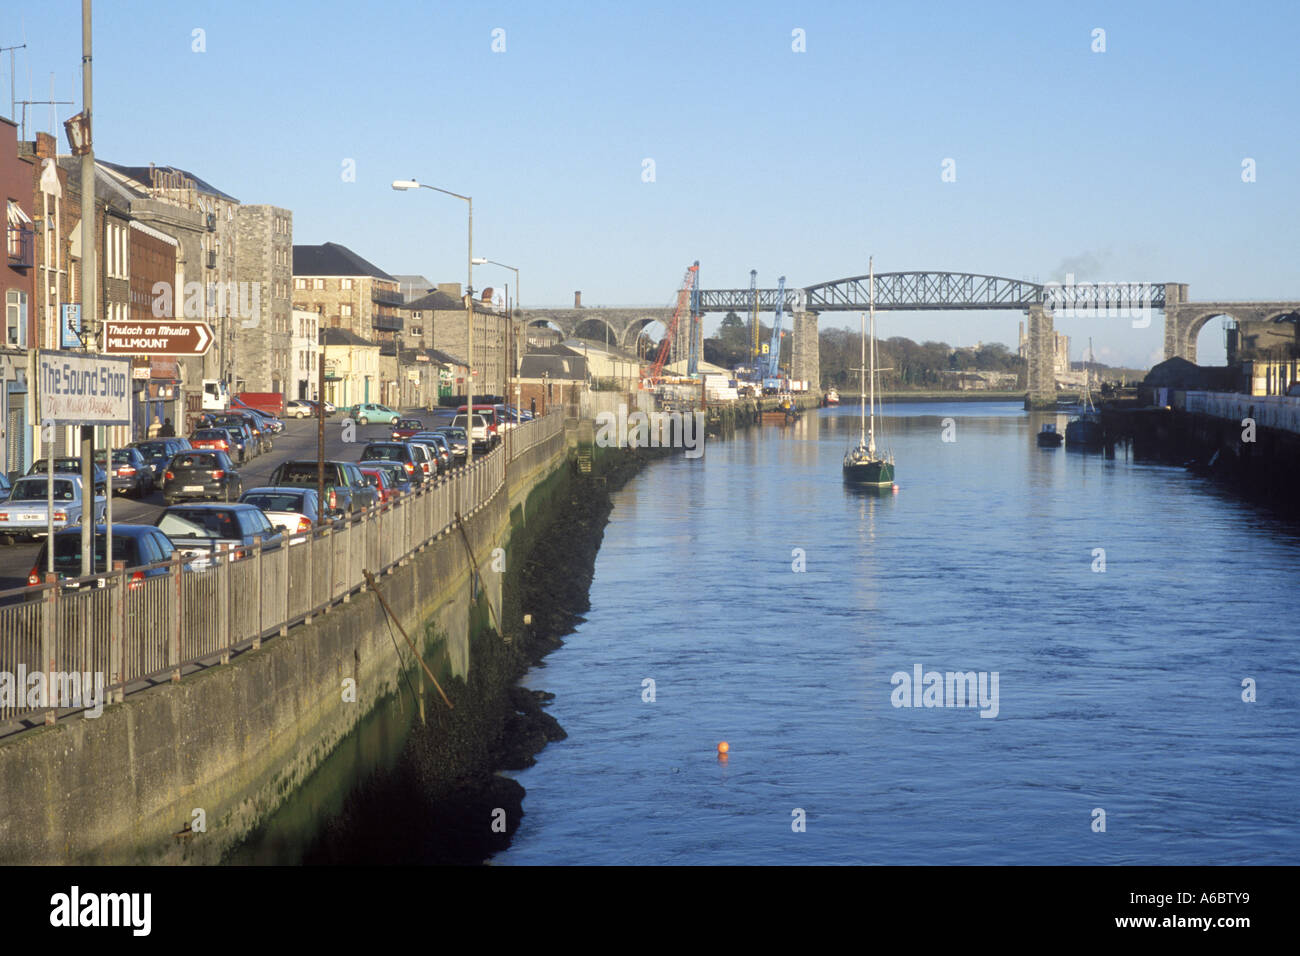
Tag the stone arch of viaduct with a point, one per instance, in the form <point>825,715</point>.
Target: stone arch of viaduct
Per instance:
<point>624,324</point>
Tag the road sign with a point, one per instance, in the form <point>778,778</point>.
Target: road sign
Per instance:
<point>157,337</point>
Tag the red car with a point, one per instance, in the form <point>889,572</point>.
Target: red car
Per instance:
<point>216,438</point>
<point>383,484</point>
<point>406,427</point>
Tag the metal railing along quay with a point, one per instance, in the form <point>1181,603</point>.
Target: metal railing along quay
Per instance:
<point>140,626</point>
<point>1268,411</point>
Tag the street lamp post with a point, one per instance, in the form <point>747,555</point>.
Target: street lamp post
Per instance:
<point>404,184</point>
<point>514,358</point>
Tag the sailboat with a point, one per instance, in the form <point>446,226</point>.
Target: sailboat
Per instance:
<point>1084,431</point>
<point>862,464</point>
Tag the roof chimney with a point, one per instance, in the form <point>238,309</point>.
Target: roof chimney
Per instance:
<point>46,146</point>
<point>577,299</point>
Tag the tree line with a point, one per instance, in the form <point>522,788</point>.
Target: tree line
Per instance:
<point>905,364</point>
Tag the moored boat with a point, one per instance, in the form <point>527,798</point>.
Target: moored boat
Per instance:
<point>832,397</point>
<point>1084,431</point>
<point>863,466</point>
<point>1049,437</point>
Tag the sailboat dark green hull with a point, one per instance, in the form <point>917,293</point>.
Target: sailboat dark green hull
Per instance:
<point>877,473</point>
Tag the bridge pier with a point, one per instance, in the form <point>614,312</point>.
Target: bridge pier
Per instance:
<point>1040,354</point>
<point>805,352</point>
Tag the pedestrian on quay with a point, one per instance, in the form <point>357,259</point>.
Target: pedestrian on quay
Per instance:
<point>154,427</point>
<point>167,430</point>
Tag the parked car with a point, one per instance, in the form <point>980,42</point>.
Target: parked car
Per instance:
<point>201,474</point>
<point>437,445</point>
<point>368,412</point>
<point>72,466</point>
<point>26,515</point>
<point>505,419</point>
<point>399,479</point>
<point>220,439</point>
<point>291,510</point>
<point>455,437</point>
<point>493,418</point>
<point>482,437</point>
<point>299,408</point>
<point>311,406</point>
<point>400,452</point>
<point>406,427</point>
<point>158,452</point>
<point>131,474</point>
<point>243,419</point>
<point>200,530</point>
<point>427,458</point>
<point>381,478</point>
<point>271,424</point>
<point>141,547</point>
<point>346,491</point>
<point>6,486</point>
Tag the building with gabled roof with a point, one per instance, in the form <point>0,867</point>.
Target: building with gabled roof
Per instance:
<point>349,291</point>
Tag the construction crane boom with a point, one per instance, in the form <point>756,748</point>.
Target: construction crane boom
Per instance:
<point>693,357</point>
<point>665,347</point>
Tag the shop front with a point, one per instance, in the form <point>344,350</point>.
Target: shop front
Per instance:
<point>157,392</point>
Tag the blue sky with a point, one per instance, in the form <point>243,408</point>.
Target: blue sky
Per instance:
<point>1123,165</point>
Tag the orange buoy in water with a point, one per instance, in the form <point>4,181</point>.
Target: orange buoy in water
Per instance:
<point>895,489</point>
<point>724,747</point>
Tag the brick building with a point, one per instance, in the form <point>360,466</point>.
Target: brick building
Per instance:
<point>17,297</point>
<point>156,382</point>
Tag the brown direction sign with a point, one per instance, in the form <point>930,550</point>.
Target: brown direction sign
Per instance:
<point>157,337</point>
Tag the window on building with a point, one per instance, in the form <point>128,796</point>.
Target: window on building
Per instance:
<point>318,283</point>
<point>346,311</point>
<point>300,283</point>
<point>345,284</point>
<point>16,318</point>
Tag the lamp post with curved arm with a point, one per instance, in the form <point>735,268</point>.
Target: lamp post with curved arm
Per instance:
<point>514,356</point>
<point>404,184</point>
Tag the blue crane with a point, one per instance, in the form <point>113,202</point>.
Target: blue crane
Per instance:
<point>774,350</point>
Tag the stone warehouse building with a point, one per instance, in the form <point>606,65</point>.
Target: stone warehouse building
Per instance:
<point>264,340</point>
<point>438,321</point>
<point>347,291</point>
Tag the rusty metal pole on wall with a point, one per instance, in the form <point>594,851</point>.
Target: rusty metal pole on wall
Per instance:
<point>320,439</point>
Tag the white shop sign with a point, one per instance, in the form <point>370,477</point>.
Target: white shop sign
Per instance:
<point>83,389</point>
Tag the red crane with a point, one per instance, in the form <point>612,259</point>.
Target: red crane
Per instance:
<point>665,347</point>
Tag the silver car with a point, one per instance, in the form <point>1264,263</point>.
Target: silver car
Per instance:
<point>26,514</point>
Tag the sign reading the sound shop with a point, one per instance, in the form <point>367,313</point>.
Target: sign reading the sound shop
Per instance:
<point>83,389</point>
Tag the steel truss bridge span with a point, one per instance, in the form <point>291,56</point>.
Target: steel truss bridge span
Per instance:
<point>941,291</point>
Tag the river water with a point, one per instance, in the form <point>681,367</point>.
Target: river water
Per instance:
<point>1118,690</point>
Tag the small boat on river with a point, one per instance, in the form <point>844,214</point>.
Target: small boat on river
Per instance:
<point>863,466</point>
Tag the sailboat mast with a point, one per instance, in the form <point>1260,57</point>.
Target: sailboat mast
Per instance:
<point>862,388</point>
<point>871,281</point>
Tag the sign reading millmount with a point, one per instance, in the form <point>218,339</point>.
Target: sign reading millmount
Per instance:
<point>83,389</point>
<point>157,337</point>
